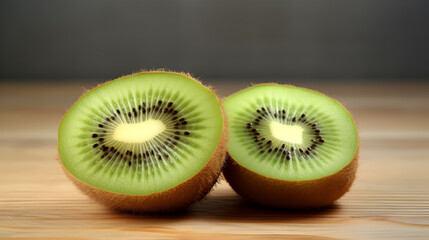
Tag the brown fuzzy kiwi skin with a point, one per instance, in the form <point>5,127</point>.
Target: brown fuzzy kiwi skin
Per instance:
<point>174,199</point>
<point>293,195</point>
<point>289,194</point>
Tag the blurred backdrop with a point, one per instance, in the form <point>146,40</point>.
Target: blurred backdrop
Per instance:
<point>222,39</point>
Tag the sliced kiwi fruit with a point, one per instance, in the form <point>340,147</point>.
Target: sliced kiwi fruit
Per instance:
<point>289,147</point>
<point>148,142</point>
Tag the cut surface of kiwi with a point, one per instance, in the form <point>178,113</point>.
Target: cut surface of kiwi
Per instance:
<point>142,134</point>
<point>290,134</point>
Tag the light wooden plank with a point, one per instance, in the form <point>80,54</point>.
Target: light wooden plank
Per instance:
<point>389,200</point>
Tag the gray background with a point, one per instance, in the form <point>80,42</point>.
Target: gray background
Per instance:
<point>367,39</point>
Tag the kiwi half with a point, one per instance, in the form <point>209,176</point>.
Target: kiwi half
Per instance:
<point>148,142</point>
<point>289,147</point>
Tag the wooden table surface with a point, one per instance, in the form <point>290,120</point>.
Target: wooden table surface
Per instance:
<point>389,200</point>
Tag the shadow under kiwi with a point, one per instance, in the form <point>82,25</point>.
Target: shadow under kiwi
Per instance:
<point>225,204</point>
<point>235,208</point>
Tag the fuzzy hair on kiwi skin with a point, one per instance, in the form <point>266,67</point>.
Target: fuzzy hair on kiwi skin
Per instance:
<point>174,199</point>
<point>289,194</point>
<point>292,195</point>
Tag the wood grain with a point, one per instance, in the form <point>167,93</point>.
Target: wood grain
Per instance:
<point>390,199</point>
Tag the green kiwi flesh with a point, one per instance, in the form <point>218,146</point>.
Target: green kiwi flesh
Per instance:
<point>289,133</point>
<point>141,134</point>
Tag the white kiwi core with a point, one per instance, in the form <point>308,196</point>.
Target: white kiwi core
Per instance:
<point>288,133</point>
<point>138,132</point>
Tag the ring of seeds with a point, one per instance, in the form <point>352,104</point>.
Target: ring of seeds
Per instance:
<point>158,148</point>
<point>262,136</point>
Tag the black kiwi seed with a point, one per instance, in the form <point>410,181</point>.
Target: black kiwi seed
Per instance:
<point>95,145</point>
<point>321,140</point>
<point>177,137</point>
<point>270,150</point>
<point>303,116</point>
<point>174,118</point>
<point>308,152</point>
<point>269,142</point>
<point>294,119</point>
<point>100,125</point>
<point>186,133</point>
<point>292,149</point>
<point>117,110</point>
<point>301,150</point>
<point>94,135</point>
<point>129,114</point>
<point>101,139</point>
<point>169,104</point>
<point>317,130</point>
<point>177,132</point>
<point>288,157</point>
<point>275,114</point>
<point>159,102</point>
<point>184,122</point>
